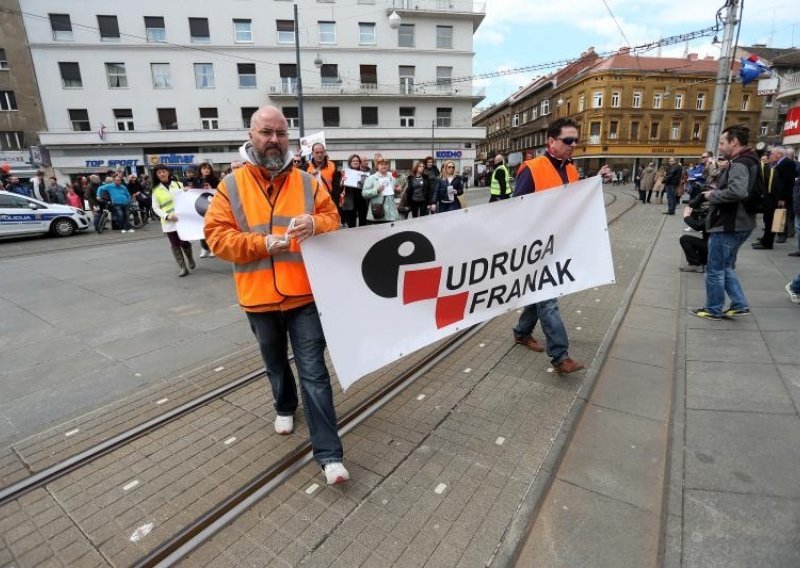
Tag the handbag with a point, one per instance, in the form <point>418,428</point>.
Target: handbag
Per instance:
<point>779,221</point>
<point>378,209</point>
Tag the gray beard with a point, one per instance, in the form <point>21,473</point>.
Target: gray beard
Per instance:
<point>272,164</point>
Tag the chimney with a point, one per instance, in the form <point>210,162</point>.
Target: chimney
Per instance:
<point>692,57</point>
<point>624,50</point>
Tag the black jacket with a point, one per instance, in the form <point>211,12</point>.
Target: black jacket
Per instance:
<point>673,175</point>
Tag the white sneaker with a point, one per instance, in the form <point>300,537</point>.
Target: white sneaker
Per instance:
<point>123,231</point>
<point>211,254</point>
<point>335,473</point>
<point>131,230</point>
<point>793,296</point>
<point>284,425</point>
<point>203,253</point>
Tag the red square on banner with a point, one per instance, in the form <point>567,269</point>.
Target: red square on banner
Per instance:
<point>421,284</point>
<point>450,309</point>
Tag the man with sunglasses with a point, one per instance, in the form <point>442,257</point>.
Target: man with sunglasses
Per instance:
<point>552,170</point>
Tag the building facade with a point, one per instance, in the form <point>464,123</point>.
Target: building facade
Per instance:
<point>630,110</point>
<point>20,108</point>
<point>152,82</point>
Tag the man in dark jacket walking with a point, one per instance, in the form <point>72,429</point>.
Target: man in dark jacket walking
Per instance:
<point>728,224</point>
<point>779,177</point>
<point>672,179</point>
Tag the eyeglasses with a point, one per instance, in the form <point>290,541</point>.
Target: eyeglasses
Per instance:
<point>451,167</point>
<point>270,133</point>
<point>297,162</point>
<point>569,140</point>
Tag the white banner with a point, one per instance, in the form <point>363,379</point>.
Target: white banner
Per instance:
<point>308,141</point>
<point>353,178</point>
<point>384,291</point>
<point>190,207</point>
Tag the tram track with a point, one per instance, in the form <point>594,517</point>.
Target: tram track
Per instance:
<point>194,534</point>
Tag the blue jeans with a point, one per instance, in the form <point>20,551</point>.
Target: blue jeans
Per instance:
<point>672,199</point>
<point>554,331</point>
<point>797,229</point>
<point>308,345</point>
<point>720,275</point>
<point>795,285</point>
<point>122,213</point>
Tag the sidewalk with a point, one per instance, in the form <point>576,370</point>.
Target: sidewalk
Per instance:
<point>687,452</point>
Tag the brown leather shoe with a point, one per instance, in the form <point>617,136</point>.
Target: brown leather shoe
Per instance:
<point>530,343</point>
<point>568,366</point>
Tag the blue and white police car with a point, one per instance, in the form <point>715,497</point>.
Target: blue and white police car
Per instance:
<point>20,215</point>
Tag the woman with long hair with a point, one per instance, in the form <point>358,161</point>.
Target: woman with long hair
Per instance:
<point>208,180</point>
<point>165,187</point>
<point>419,191</point>
<point>449,187</point>
<point>351,192</point>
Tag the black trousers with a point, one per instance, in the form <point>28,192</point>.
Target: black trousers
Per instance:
<point>768,238</point>
<point>695,249</point>
<point>418,208</point>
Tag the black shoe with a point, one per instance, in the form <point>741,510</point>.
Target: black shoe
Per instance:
<point>780,239</point>
<point>795,253</point>
<point>759,246</point>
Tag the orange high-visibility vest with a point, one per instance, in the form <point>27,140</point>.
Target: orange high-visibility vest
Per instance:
<point>272,279</point>
<point>324,175</point>
<point>545,175</point>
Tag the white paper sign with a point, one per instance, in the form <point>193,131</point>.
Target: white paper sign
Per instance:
<point>308,141</point>
<point>352,178</point>
<point>384,291</point>
<point>190,207</point>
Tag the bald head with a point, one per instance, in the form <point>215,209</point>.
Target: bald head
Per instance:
<point>270,137</point>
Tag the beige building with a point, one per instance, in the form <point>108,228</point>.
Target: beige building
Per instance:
<point>629,110</point>
<point>21,114</point>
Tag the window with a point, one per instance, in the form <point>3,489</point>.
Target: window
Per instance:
<point>161,75</point>
<point>61,26</point>
<point>637,99</point>
<point>615,99</point>
<point>701,101</point>
<point>124,119</point>
<point>329,73</point>
<point>675,131</point>
<point>369,76</point>
<point>535,112</point>
<point>292,116</point>
<point>117,78</point>
<point>155,29</point>
<point>242,31</point>
<point>444,37</point>
<point>697,130</point>
<point>597,99</point>
<point>745,102</point>
<point>247,114</point>
<point>444,117</point>
<point>209,119</point>
<point>653,131</point>
<point>167,118</point>
<point>407,117</point>
<point>767,101</point>
<point>613,129</point>
<point>198,30</point>
<point>678,101</point>
<point>70,75</point>
<point>406,79</point>
<point>581,103</point>
<point>657,99</point>
<point>634,130</point>
<point>285,31</point>
<point>247,75</point>
<point>444,77</point>
<point>11,140</point>
<point>288,72</point>
<point>204,75</point>
<point>12,201</point>
<point>79,119</point>
<point>366,33</point>
<point>327,32</point>
<point>8,101</point>
<point>109,28</point>
<point>545,107</point>
<point>764,129</point>
<point>515,120</point>
<point>3,60</point>
<point>330,116</point>
<point>405,35</point>
<point>369,116</point>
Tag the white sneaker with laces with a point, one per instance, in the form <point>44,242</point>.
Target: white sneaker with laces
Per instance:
<point>203,253</point>
<point>284,425</point>
<point>793,296</point>
<point>335,473</point>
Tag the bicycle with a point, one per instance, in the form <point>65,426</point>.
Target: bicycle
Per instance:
<point>137,216</point>
<point>105,217</point>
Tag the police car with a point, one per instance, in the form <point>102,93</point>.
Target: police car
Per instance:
<point>20,215</point>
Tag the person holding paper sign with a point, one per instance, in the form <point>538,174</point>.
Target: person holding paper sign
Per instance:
<point>260,215</point>
<point>379,190</point>
<point>164,191</point>
<point>352,202</point>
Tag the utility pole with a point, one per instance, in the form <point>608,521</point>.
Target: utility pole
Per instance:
<point>433,145</point>
<point>723,77</point>
<point>299,78</point>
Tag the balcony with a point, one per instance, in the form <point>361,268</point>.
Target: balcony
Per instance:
<point>476,11</point>
<point>449,90</point>
<point>790,87</point>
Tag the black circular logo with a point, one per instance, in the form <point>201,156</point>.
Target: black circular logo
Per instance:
<point>381,265</point>
<point>202,202</point>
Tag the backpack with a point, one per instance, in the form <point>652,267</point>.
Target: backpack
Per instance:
<point>756,199</point>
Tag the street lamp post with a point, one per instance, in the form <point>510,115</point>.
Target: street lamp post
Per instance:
<point>433,144</point>
<point>723,78</point>
<point>299,76</point>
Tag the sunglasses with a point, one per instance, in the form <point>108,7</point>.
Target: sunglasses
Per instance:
<point>569,140</point>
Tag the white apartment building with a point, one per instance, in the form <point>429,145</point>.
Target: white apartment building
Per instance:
<point>129,84</point>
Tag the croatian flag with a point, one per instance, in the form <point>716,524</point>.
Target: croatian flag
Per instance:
<point>102,132</point>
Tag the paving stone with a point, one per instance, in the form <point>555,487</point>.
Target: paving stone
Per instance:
<point>753,387</point>
<point>728,346</point>
<point>635,388</point>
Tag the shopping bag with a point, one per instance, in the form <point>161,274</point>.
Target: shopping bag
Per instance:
<point>779,221</point>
